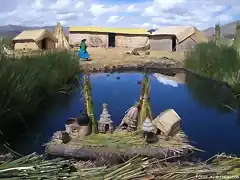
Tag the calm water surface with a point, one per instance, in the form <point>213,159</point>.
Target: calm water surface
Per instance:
<point>200,104</point>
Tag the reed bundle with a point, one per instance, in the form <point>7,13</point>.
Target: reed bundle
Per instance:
<point>35,166</point>
<point>144,101</point>
<point>89,103</point>
<point>217,167</point>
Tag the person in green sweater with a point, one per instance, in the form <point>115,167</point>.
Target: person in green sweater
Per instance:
<point>83,50</point>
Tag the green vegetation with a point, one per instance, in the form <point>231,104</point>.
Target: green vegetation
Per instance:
<point>218,96</point>
<point>217,62</point>
<point>7,41</point>
<point>217,35</point>
<point>27,81</point>
<point>236,43</point>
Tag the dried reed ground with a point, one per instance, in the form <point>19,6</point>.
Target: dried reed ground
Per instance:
<point>128,139</point>
<point>117,56</point>
<point>35,166</point>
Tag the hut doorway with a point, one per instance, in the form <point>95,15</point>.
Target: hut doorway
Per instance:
<point>111,39</point>
<point>44,44</point>
<point>174,43</point>
<point>106,127</point>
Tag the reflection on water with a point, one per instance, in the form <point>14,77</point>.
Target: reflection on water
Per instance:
<point>162,79</point>
<point>212,95</point>
<point>199,103</point>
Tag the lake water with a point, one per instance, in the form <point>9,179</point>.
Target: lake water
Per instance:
<point>200,104</point>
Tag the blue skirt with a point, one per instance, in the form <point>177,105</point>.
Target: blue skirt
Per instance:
<point>82,54</point>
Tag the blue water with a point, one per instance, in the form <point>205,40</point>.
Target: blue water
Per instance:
<point>209,128</point>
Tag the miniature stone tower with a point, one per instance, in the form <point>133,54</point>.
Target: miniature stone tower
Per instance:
<point>105,124</point>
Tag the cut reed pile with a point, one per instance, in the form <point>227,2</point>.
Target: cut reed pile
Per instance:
<point>227,167</point>
<point>35,166</point>
<point>27,81</point>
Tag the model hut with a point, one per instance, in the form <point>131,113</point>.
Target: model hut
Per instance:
<point>129,121</point>
<point>149,131</point>
<point>168,123</point>
<point>78,126</point>
<point>147,126</point>
<point>105,124</point>
<point>62,42</point>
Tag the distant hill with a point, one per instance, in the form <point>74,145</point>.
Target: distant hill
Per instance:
<point>227,30</point>
<point>14,30</point>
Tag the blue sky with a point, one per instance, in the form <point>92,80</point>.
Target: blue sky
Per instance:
<point>120,13</point>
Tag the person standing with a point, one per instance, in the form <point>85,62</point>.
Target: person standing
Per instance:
<point>83,54</point>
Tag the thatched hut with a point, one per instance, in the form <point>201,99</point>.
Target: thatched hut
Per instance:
<point>41,39</point>
<point>109,37</point>
<point>62,42</point>
<point>168,123</point>
<point>176,38</point>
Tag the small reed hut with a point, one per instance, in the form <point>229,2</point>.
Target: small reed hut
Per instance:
<point>176,38</point>
<point>109,37</point>
<point>62,42</point>
<point>41,39</point>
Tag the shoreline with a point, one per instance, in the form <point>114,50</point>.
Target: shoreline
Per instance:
<point>174,70</point>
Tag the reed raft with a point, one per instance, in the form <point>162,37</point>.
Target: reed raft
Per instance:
<point>126,144</point>
<point>36,166</point>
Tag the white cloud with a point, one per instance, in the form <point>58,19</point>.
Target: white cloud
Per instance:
<point>99,9</point>
<point>61,4</point>
<point>149,14</point>
<point>224,18</point>
<point>150,11</point>
<point>79,4</point>
<point>132,8</point>
<point>146,25</point>
<point>114,19</point>
<point>166,4</point>
<point>38,4</point>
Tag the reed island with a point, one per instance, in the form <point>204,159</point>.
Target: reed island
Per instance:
<point>138,133</point>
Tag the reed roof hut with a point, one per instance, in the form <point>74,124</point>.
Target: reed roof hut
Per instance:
<point>109,37</point>
<point>62,42</point>
<point>176,38</point>
<point>41,39</point>
<point>129,121</point>
<point>168,123</point>
<point>105,123</point>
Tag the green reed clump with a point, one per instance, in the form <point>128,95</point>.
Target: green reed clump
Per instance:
<point>27,81</point>
<point>217,34</point>
<point>221,63</point>
<point>6,41</point>
<point>236,42</point>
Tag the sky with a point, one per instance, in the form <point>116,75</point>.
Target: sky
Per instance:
<point>119,13</point>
